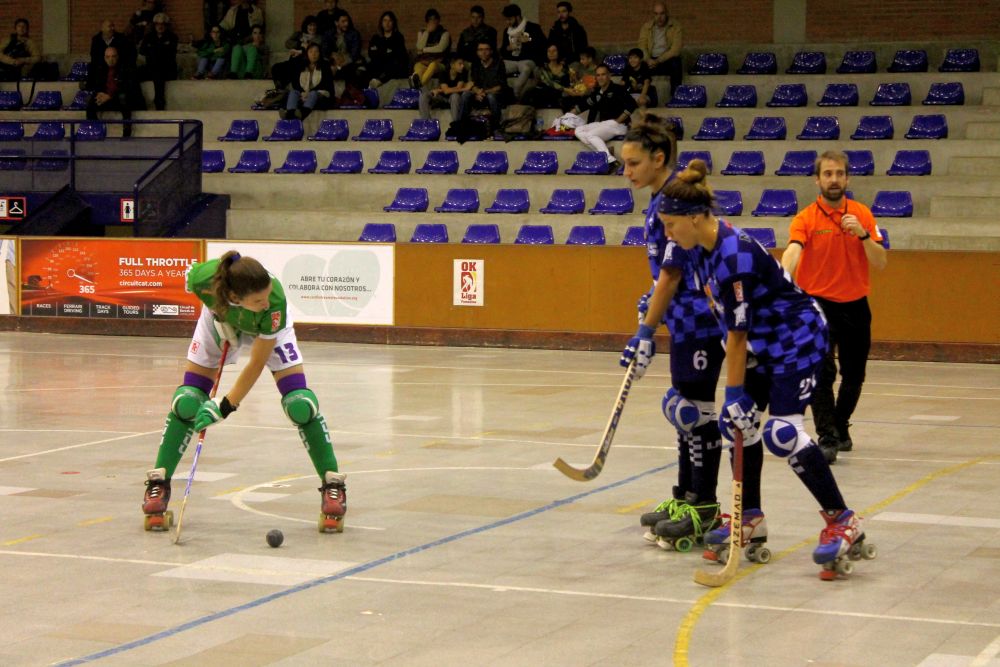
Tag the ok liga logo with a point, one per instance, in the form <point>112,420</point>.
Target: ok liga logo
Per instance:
<point>469,282</point>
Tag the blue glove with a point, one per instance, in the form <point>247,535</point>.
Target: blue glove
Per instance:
<point>738,412</point>
<point>642,306</point>
<point>641,348</point>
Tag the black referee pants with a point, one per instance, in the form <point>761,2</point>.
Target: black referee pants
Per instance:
<point>850,326</point>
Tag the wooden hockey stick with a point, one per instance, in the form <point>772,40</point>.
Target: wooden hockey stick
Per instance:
<point>716,579</point>
<point>594,469</point>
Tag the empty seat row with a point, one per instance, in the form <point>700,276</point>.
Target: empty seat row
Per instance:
<point>375,232</point>
<point>53,131</point>
<point>853,62</point>
<point>44,100</point>
<point>801,163</point>
<point>774,128</point>
<point>784,203</point>
<point>836,94</point>
<point>610,201</point>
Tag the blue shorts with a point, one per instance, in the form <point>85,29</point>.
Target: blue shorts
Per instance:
<point>697,360</point>
<point>786,394</point>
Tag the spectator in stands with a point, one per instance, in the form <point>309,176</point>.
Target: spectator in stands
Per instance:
<point>433,46</point>
<point>567,33</point>
<point>477,32</point>
<point>213,53</point>
<point>159,47</point>
<point>327,17</point>
<point>660,39</point>
<point>312,88</point>
<point>639,81</point>
<point>342,48</point>
<point>582,78</point>
<point>249,61</point>
<point>609,110</point>
<point>553,81</point>
<point>297,44</point>
<point>522,48</point>
<point>387,57</point>
<point>141,23</point>
<point>449,91</point>
<point>19,54</point>
<point>489,86</point>
<point>109,36</point>
<point>115,88</point>
<point>240,21</point>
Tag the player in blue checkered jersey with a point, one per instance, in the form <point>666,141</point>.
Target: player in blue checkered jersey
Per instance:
<point>696,352</point>
<point>764,312</point>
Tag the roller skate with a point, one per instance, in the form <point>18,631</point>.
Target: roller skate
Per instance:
<point>154,504</point>
<point>754,537</point>
<point>334,507</point>
<point>664,511</point>
<point>840,544</point>
<point>693,519</point>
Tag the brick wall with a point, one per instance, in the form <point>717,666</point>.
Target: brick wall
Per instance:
<point>856,21</point>
<point>11,11</point>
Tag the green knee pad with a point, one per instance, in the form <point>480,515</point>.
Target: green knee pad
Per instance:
<point>179,427</point>
<point>302,407</point>
<point>186,401</point>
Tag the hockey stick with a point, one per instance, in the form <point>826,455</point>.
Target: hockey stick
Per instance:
<point>197,451</point>
<point>716,579</point>
<point>597,465</point>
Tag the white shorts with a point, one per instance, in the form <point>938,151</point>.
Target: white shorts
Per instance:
<point>205,351</point>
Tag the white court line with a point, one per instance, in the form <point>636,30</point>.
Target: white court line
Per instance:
<point>61,430</point>
<point>938,520</point>
<point>113,387</point>
<point>987,654</point>
<point>935,418</point>
<point>82,444</point>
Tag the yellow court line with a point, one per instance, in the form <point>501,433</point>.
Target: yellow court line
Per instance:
<point>21,540</point>
<point>683,641</point>
<point>92,522</point>
<point>628,509</point>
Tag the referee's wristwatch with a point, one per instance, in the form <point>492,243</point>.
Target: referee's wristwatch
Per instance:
<point>865,237</point>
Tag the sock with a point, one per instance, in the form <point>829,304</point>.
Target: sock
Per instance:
<point>812,468</point>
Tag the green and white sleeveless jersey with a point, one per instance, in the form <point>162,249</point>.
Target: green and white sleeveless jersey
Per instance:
<point>266,323</point>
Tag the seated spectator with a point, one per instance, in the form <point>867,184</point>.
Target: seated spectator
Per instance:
<point>553,81</point>
<point>433,45</point>
<point>19,54</point>
<point>387,57</point>
<point>477,32</point>
<point>240,20</point>
<point>159,47</point>
<point>115,88</point>
<point>639,81</point>
<point>449,93</point>
<point>297,44</point>
<point>660,40</point>
<point>342,48</point>
<point>110,37</point>
<point>312,88</point>
<point>141,23</point>
<point>522,48</point>
<point>489,86</point>
<point>326,18</point>
<point>567,33</point>
<point>609,110</point>
<point>249,61</point>
<point>213,53</point>
<point>582,77</point>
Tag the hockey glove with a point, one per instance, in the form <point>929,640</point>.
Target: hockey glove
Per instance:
<point>227,332</point>
<point>641,348</point>
<point>738,412</point>
<point>642,306</point>
<point>211,413</point>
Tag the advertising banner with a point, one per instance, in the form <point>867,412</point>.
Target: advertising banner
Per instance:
<point>469,282</point>
<point>327,283</point>
<point>8,285</point>
<point>107,278</point>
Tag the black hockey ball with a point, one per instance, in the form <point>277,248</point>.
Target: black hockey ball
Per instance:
<point>275,538</point>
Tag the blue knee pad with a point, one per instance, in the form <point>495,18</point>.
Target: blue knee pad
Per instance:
<point>685,415</point>
<point>781,436</point>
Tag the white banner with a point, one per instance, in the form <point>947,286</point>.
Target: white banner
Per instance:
<point>8,282</point>
<point>326,283</point>
<point>469,282</point>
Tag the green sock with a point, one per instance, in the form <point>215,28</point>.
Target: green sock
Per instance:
<point>316,439</point>
<point>176,437</point>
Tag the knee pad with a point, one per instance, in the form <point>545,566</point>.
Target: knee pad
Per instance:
<point>784,435</point>
<point>686,415</point>
<point>186,402</point>
<point>301,406</point>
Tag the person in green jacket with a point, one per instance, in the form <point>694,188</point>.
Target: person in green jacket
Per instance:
<point>213,55</point>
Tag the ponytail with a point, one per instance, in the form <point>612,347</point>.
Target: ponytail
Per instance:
<point>237,276</point>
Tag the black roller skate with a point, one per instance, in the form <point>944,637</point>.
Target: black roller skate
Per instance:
<point>154,504</point>
<point>754,536</point>
<point>334,505</point>
<point>664,511</point>
<point>693,519</point>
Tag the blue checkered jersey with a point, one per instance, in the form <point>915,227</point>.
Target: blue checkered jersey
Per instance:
<point>751,292</point>
<point>688,316</point>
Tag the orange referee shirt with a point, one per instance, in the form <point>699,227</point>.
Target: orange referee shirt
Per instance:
<point>833,264</point>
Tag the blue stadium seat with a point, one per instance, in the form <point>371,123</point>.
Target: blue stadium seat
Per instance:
<point>11,131</point>
<point>589,162</point>
<point>909,60</point>
<point>710,63</point>
<point>286,130</point>
<point>13,159</point>
<point>840,95</point>
<point>213,161</point>
<point>460,200</point>
<point>728,202</point>
<point>375,129</point>
<point>798,163</point>
<point>430,232</point>
<point>685,157</point>
<point>344,162</point>
<point>539,162</point>
<point>535,235</point>
<point>423,129</point>
<point>945,93</point>
<point>716,129</point>
<point>616,62</point>
<point>738,96</point>
<point>409,200</point>
<point>614,201</point>
<point>689,97</point>
<point>767,128</point>
<point>634,235</point>
<point>762,235</point>
<point>820,127</point>
<point>490,162</point>
<point>510,200</point>
<point>440,162</point>
<point>392,162</point>
<point>678,124</point>
<point>298,162</point>
<point>932,126</point>
<point>371,101</point>
<point>808,62</point>
<point>960,60</point>
<point>10,100</point>
<point>860,163</point>
<point>242,130</point>
<point>911,163</point>
<point>745,163</point>
<point>331,129</point>
<point>49,131</point>
<point>789,95</point>
<point>777,203</point>
<point>892,204</point>
<point>378,232</point>
<point>759,63</point>
<point>565,202</point>
<point>482,234</point>
<point>53,160</point>
<point>586,235</point>
<point>858,62</point>
<point>874,127</point>
<point>252,162</point>
<point>885,236</point>
<point>91,130</point>
<point>78,71</point>
<point>892,95</point>
<point>79,102</point>
<point>46,100</point>
<point>404,98</point>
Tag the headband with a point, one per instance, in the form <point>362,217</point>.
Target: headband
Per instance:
<point>672,206</point>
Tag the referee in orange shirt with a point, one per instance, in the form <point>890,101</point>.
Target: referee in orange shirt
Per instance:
<point>831,245</point>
